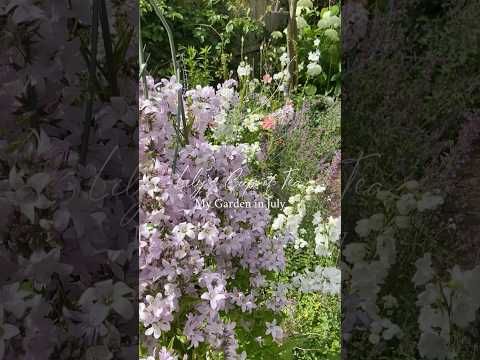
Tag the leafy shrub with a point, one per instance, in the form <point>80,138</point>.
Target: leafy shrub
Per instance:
<point>202,27</point>
<point>318,46</point>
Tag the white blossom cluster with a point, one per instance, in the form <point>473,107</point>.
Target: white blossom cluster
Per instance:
<point>327,233</point>
<point>368,261</point>
<point>252,122</point>
<point>314,68</point>
<point>282,77</point>
<point>444,306</point>
<point>244,70</point>
<point>250,151</point>
<point>290,220</point>
<point>325,280</point>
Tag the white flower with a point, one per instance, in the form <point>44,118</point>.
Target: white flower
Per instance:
<point>278,76</point>
<point>328,21</point>
<point>279,222</point>
<point>374,338</point>
<point>314,56</point>
<point>319,189</point>
<point>326,280</point>
<point>314,69</point>
<point>299,243</point>
<point>363,227</point>
<point>386,249</point>
<point>321,245</point>
<point>293,221</point>
<point>284,59</point>
<point>251,151</point>
<point>424,270</point>
<point>389,329</point>
<point>277,35</point>
<point>316,42</point>
<point>244,69</point>
<point>182,230</point>
<point>335,228</point>
<point>156,330</point>
<point>294,199</point>
<point>376,221</point>
<point>252,122</point>
<point>7,332</point>
<point>406,203</point>
<point>302,208</point>
<point>332,279</point>
<point>317,218</point>
<point>429,202</point>
<point>433,346</point>
<point>220,118</point>
<point>305,3</point>
<point>215,296</point>
<point>209,233</point>
<point>332,34</point>
<point>301,22</point>
<point>274,330</point>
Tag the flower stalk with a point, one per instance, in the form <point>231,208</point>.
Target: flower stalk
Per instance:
<point>181,128</point>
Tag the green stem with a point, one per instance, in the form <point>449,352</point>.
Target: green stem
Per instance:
<point>88,121</point>
<point>107,41</point>
<point>304,86</point>
<point>141,55</point>
<point>173,52</point>
<point>181,118</point>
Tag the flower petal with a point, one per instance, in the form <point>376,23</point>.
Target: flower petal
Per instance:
<point>10,331</point>
<point>123,307</point>
<point>39,181</point>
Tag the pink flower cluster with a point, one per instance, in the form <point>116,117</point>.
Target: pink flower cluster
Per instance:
<point>191,255</point>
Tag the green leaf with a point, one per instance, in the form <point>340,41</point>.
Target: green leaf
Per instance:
<point>310,90</point>
<point>335,10</point>
<point>170,344</point>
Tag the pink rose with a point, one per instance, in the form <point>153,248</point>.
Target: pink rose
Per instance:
<point>268,123</point>
<point>267,79</point>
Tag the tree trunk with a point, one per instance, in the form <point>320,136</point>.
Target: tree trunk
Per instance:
<point>292,37</point>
